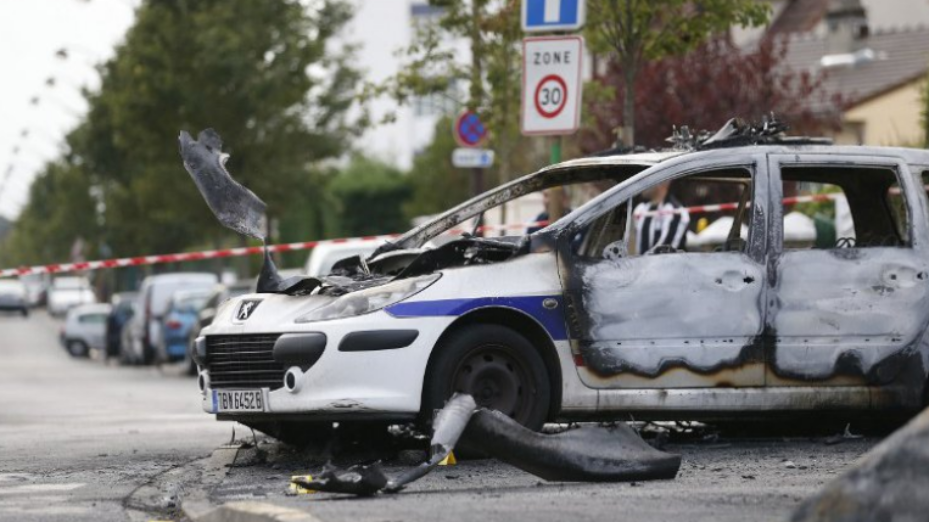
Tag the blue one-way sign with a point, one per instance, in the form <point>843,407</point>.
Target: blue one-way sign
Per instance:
<point>553,15</point>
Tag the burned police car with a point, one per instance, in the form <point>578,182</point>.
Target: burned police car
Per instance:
<point>573,322</point>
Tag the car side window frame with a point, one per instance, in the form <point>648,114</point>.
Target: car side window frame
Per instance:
<point>896,164</point>
<point>756,164</point>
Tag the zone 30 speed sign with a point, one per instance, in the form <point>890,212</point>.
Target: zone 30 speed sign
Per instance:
<point>551,85</point>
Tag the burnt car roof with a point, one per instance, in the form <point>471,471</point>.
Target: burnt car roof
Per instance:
<point>572,171</point>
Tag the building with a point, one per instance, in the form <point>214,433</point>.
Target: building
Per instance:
<point>414,124</point>
<point>874,54</point>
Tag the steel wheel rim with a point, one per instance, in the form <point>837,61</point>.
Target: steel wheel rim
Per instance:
<point>498,379</point>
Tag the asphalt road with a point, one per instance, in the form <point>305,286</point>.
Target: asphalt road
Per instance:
<point>80,440</point>
<point>77,438</point>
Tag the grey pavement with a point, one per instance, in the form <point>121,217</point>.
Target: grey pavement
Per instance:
<point>80,440</point>
<point>77,438</point>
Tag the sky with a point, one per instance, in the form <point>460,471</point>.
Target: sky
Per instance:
<point>32,31</point>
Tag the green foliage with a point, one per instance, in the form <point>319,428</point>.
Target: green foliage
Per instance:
<point>636,31</point>
<point>493,77</point>
<point>263,73</point>
<point>370,196</point>
<point>60,210</point>
<point>436,184</point>
<point>924,112</point>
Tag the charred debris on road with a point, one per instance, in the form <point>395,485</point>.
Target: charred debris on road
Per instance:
<point>589,454</point>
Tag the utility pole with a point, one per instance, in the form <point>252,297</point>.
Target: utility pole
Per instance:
<point>477,84</point>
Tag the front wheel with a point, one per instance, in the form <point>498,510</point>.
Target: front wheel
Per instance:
<point>77,349</point>
<point>499,367</point>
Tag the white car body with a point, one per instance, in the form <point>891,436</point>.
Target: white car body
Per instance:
<point>87,324</point>
<point>671,336</point>
<point>67,292</point>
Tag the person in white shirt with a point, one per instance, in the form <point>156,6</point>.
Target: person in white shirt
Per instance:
<point>661,220</point>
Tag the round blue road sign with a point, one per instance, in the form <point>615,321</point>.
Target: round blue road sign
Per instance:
<point>469,130</point>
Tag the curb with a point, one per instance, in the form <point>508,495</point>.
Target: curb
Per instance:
<point>198,508</point>
<point>254,512</point>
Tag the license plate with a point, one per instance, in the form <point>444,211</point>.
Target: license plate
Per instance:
<point>238,400</point>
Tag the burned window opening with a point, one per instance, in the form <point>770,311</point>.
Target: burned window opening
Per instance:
<point>848,215</point>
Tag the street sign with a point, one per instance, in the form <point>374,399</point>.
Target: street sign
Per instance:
<point>470,158</point>
<point>469,130</point>
<point>551,102</point>
<point>553,15</point>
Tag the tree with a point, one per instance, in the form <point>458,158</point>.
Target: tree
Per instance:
<point>263,73</point>
<point>436,184</point>
<point>370,195</point>
<point>641,31</point>
<point>432,67</point>
<point>60,210</point>
<point>706,87</point>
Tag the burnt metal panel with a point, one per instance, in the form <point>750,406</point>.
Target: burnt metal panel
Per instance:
<point>670,320</point>
<point>850,316</point>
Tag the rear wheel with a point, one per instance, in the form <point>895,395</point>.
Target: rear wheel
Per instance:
<point>77,349</point>
<point>497,366</point>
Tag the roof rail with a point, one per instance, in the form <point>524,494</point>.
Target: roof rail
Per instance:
<point>737,133</point>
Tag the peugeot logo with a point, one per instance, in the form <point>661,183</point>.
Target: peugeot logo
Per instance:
<point>246,308</point>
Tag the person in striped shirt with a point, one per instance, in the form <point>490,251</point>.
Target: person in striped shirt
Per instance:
<point>661,220</point>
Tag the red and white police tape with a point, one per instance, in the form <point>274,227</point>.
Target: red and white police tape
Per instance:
<point>306,245</point>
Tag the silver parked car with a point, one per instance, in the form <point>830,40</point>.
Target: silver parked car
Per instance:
<point>13,296</point>
<point>85,329</point>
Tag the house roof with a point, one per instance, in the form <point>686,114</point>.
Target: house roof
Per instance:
<point>799,16</point>
<point>899,57</point>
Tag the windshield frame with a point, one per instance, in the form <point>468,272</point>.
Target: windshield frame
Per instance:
<point>568,173</point>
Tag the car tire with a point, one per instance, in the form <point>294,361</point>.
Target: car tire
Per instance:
<point>499,367</point>
<point>148,354</point>
<point>25,312</point>
<point>125,356</point>
<point>77,349</point>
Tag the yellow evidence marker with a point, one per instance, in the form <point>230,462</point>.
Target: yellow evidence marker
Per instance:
<point>450,460</point>
<point>300,490</point>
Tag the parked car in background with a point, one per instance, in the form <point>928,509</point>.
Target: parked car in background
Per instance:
<point>144,330</point>
<point>36,289</point>
<point>67,292</point>
<point>220,294</point>
<point>119,315</point>
<point>181,317</point>
<point>13,296</point>
<point>85,329</point>
<point>325,255</point>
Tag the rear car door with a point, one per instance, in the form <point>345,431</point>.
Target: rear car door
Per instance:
<point>850,306</point>
<point>688,318</point>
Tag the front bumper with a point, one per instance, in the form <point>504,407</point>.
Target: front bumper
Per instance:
<point>358,375</point>
<point>8,303</point>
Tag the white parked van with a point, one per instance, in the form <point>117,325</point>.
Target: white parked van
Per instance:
<point>68,292</point>
<point>145,328</point>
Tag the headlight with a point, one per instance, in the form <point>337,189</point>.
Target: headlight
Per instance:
<point>370,300</point>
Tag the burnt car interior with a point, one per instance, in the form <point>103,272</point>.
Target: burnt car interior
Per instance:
<point>877,221</point>
<point>613,235</point>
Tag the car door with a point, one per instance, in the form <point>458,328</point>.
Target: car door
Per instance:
<point>850,313</point>
<point>688,319</point>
